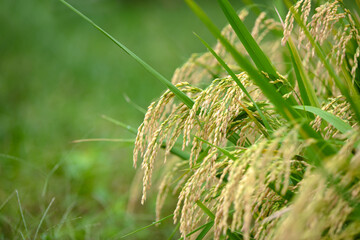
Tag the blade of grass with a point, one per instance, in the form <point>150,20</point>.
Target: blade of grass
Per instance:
<point>225,152</point>
<point>104,140</point>
<point>238,82</point>
<point>212,216</point>
<point>177,152</point>
<point>205,209</point>
<point>179,94</point>
<point>198,229</point>
<point>307,92</point>
<point>203,233</point>
<point>21,211</point>
<point>123,125</point>
<point>49,175</point>
<point>146,227</point>
<point>64,217</point>
<point>22,235</point>
<point>135,105</point>
<point>260,59</point>
<point>7,200</point>
<point>43,217</point>
<point>174,231</point>
<point>235,236</point>
<point>24,162</point>
<point>257,55</point>
<point>338,123</point>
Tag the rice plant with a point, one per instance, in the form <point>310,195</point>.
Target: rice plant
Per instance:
<point>261,133</point>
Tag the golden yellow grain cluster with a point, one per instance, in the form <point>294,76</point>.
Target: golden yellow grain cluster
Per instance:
<point>242,176</point>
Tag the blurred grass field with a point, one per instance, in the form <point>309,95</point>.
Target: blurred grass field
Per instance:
<point>57,77</point>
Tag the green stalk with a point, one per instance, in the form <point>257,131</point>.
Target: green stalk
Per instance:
<point>179,94</point>
<point>177,152</point>
<point>206,229</point>
<point>257,55</point>
<point>146,227</point>
<point>205,209</point>
<point>307,92</point>
<point>198,229</point>
<point>260,59</point>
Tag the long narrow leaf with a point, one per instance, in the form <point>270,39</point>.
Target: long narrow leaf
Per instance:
<point>177,152</point>
<point>146,227</point>
<point>131,141</point>
<point>338,123</point>
<point>203,233</point>
<point>174,231</point>
<point>43,218</point>
<point>212,216</point>
<point>198,229</point>
<point>225,152</point>
<point>179,94</point>
<point>260,59</point>
<point>205,209</point>
<point>257,55</point>
<point>121,124</point>
<point>307,91</point>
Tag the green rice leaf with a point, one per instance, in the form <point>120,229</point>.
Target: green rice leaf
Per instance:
<point>198,229</point>
<point>235,236</point>
<point>257,55</point>
<point>177,152</point>
<point>121,124</point>
<point>205,209</point>
<point>225,152</point>
<point>135,105</point>
<point>338,123</point>
<point>206,229</point>
<point>307,92</point>
<point>146,227</point>
<point>260,59</point>
<point>174,231</point>
<point>179,94</point>
<point>131,141</point>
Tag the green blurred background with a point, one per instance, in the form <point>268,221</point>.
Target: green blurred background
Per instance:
<point>58,75</point>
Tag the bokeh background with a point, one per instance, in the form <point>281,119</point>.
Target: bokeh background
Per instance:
<point>58,76</point>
